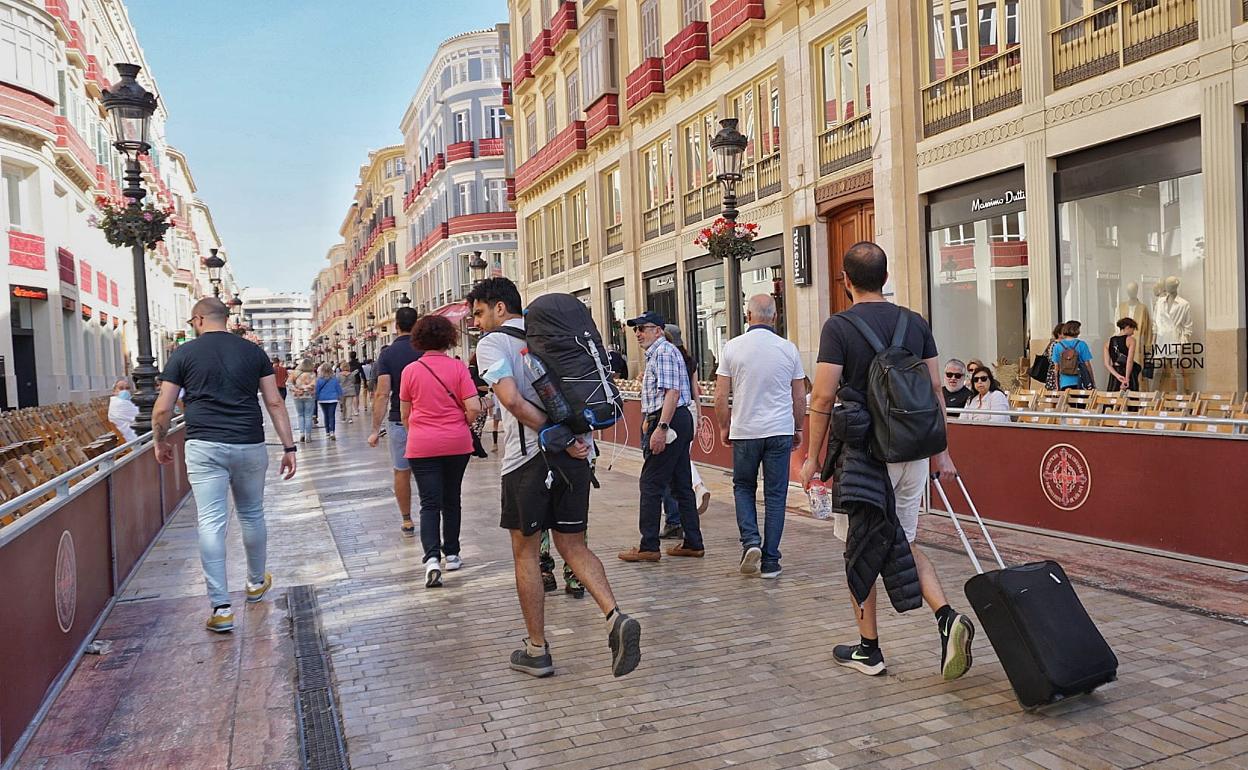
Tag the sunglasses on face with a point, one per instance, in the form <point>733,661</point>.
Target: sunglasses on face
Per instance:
<point>979,379</point>
<point>645,327</point>
<point>954,375</point>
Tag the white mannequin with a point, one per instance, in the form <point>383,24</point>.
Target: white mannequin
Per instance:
<point>1172,324</point>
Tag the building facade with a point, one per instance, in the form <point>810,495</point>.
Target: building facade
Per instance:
<point>281,321</point>
<point>1023,163</point>
<point>67,294</point>
<point>457,186</point>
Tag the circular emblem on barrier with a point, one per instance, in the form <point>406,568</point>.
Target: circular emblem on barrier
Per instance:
<point>706,434</point>
<point>1065,477</point>
<point>66,582</point>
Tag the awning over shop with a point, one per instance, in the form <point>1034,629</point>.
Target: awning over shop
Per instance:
<point>454,312</point>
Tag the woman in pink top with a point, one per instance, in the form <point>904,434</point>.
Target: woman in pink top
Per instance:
<point>438,401</point>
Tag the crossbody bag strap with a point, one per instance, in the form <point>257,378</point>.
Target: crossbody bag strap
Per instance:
<point>872,338</point>
<point>460,402</point>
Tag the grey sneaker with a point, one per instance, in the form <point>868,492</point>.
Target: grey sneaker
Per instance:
<point>750,559</point>
<point>533,665</point>
<point>624,636</point>
<point>955,646</point>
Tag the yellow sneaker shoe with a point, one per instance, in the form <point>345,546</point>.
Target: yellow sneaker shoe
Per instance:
<point>221,620</point>
<point>256,591</point>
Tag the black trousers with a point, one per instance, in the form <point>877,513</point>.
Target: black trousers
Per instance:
<point>670,468</point>
<point>438,480</point>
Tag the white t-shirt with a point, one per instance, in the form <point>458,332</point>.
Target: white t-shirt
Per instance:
<point>763,366</point>
<point>995,401</point>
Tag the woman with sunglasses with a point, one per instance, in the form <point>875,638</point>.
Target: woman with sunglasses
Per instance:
<point>988,396</point>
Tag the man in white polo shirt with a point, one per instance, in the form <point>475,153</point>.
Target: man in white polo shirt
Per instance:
<point>762,372</point>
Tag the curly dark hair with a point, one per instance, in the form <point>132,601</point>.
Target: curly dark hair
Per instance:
<point>434,332</point>
<point>496,289</point>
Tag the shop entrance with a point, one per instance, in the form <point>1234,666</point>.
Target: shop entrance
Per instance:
<point>846,226</point>
<point>24,368</point>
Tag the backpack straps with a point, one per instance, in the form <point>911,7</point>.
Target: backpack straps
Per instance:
<point>512,331</point>
<point>899,334</point>
<point>872,338</point>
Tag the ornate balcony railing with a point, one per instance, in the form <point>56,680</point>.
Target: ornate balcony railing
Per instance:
<point>615,238</point>
<point>537,269</point>
<point>988,87</point>
<point>758,180</point>
<point>667,217</point>
<point>650,224</point>
<point>844,145</point>
<point>1116,35</point>
<point>557,264</point>
<point>580,252</point>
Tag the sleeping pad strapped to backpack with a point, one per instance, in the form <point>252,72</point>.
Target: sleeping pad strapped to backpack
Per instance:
<point>561,334</point>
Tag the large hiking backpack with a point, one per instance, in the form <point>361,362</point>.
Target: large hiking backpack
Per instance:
<point>561,334</point>
<point>907,422</point>
<point>1068,360</point>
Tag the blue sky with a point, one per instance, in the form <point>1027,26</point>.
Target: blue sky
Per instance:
<point>277,103</point>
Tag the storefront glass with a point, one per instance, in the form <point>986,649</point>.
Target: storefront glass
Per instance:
<point>763,273</point>
<point>708,329</point>
<point>617,315</point>
<point>1139,252</point>
<point>661,295</point>
<point>978,270</point>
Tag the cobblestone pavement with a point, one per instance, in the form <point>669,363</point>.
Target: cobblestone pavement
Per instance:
<point>735,671</point>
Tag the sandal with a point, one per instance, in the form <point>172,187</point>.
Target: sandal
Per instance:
<point>409,529</point>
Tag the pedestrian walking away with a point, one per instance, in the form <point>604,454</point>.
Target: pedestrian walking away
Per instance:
<point>350,385</point>
<point>438,402</point>
<point>762,373</point>
<point>280,374</point>
<point>541,490</point>
<point>1071,357</point>
<point>671,529</point>
<point>882,500</point>
<point>220,374</point>
<point>304,388</point>
<point>391,362</point>
<point>666,435</point>
<point>328,393</point>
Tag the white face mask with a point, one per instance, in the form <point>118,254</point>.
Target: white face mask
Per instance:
<point>124,395</point>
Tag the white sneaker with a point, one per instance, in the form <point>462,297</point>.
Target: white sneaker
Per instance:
<point>433,573</point>
<point>453,563</point>
<point>704,498</point>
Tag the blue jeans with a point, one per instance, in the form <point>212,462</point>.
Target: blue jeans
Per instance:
<point>747,455</point>
<point>305,408</point>
<point>439,481</point>
<point>214,470</point>
<point>330,410</point>
<point>671,509</point>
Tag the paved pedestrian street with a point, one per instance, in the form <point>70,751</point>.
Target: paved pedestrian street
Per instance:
<point>736,672</point>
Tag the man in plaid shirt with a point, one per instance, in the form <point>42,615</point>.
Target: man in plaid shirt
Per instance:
<point>665,401</point>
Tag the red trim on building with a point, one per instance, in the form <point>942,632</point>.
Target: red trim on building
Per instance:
<point>439,233</point>
<point>387,223</point>
<point>28,108</point>
<point>689,45</point>
<point>488,148</point>
<point>459,151</point>
<point>112,291</point>
<point>85,273</point>
<point>77,41</point>
<point>101,286</point>
<point>506,94</point>
<point>563,22</point>
<point>602,114</point>
<point>490,220</point>
<point>540,49</point>
<point>565,144</point>
<point>65,266</point>
<point>644,81</point>
<point>521,69</point>
<point>727,16</point>
<point>27,251</point>
<point>67,138</point>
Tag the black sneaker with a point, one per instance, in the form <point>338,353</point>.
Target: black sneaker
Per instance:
<point>955,646</point>
<point>672,532</point>
<point>624,636</point>
<point>854,656</point>
<point>548,582</point>
<point>533,665</point>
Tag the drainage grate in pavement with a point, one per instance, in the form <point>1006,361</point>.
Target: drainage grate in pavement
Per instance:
<point>320,732</point>
<point>356,494</point>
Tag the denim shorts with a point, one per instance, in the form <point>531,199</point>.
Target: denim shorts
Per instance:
<point>396,435</point>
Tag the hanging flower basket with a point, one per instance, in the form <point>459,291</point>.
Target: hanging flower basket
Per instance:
<point>125,225</point>
<point>726,239</point>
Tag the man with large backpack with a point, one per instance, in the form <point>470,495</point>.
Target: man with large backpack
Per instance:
<point>545,484</point>
<point>889,422</point>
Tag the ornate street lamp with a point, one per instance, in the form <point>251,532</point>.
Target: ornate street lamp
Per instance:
<point>131,107</point>
<point>236,309</point>
<point>728,147</point>
<point>214,263</point>
<point>478,266</point>
<point>372,318</point>
<point>405,300</point>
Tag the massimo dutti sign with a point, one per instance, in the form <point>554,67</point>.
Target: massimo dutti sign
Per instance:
<point>979,204</point>
<point>992,196</point>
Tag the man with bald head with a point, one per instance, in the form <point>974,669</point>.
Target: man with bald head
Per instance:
<point>225,452</point>
<point>762,373</point>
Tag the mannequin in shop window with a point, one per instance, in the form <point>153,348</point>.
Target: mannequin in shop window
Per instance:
<point>1134,308</point>
<point>1172,326</point>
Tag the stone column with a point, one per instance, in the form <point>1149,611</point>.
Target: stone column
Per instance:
<point>1043,309</point>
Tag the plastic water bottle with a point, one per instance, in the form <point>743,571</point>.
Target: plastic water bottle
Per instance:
<point>556,406</point>
<point>820,500</point>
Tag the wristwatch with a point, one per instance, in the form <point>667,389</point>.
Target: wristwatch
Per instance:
<point>290,450</point>
<point>664,426</point>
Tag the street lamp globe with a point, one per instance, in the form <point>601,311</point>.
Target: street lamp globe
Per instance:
<point>372,318</point>
<point>729,148</point>
<point>478,266</point>
<point>131,107</point>
<point>405,300</point>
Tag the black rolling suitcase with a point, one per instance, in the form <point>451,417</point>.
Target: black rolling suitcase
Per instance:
<point>1049,647</point>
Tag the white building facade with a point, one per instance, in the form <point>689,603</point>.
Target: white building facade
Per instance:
<point>282,321</point>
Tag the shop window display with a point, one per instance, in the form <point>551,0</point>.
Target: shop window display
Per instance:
<point>763,273</point>
<point>709,317</point>
<point>1139,252</point>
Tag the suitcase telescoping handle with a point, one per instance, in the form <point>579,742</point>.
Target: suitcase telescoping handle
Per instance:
<point>958,525</point>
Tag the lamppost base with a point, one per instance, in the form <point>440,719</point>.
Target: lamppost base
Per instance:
<point>145,392</point>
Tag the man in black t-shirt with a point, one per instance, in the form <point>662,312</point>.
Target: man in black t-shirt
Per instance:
<point>844,361</point>
<point>388,370</point>
<point>956,390</point>
<point>220,374</point>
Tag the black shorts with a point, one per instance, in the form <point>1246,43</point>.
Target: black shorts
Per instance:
<point>530,507</point>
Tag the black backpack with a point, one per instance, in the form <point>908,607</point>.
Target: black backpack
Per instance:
<point>561,334</point>
<point>907,422</point>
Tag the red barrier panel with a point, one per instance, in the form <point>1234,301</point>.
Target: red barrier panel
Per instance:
<point>137,515</point>
<point>57,579</point>
<point>173,482</point>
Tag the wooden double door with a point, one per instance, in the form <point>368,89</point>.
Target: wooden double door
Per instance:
<point>846,226</point>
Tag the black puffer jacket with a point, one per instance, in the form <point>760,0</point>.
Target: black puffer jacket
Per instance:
<point>877,542</point>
